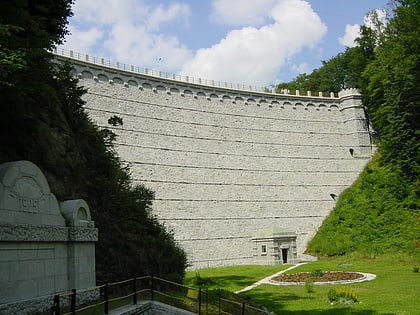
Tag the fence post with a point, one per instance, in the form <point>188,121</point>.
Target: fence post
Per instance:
<point>199,301</point>
<point>243,308</point>
<point>207,301</point>
<point>56,305</point>
<point>134,290</point>
<point>106,304</point>
<point>152,296</point>
<point>73,302</point>
<point>218,294</point>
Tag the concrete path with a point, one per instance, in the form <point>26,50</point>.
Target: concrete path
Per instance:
<point>267,279</point>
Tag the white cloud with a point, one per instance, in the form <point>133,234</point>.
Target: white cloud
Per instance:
<point>249,12</point>
<point>82,41</point>
<point>253,55</point>
<point>129,31</point>
<point>350,34</point>
<point>301,68</point>
<point>375,19</point>
<point>161,15</point>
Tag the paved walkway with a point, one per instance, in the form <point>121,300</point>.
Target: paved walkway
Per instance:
<point>267,279</point>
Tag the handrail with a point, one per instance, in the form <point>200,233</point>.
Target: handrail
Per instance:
<point>168,291</point>
<point>86,58</point>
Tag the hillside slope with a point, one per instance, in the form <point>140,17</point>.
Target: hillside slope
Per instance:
<point>378,214</point>
<point>42,120</point>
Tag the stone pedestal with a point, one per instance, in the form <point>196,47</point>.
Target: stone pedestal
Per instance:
<point>46,247</point>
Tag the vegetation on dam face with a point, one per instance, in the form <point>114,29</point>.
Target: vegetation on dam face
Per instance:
<point>42,119</point>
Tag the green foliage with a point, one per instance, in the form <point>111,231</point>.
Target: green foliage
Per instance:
<point>345,69</point>
<point>27,30</point>
<point>309,286</point>
<point>340,72</point>
<point>317,273</point>
<point>41,23</point>
<point>378,214</point>
<point>392,93</point>
<point>115,120</point>
<point>200,281</point>
<point>394,291</point>
<point>42,119</point>
<point>10,60</point>
<point>415,269</point>
<point>342,296</point>
<point>221,277</point>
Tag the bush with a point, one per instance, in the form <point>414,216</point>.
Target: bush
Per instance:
<point>317,273</point>
<point>342,296</point>
<point>415,269</point>
<point>309,286</point>
<point>200,281</point>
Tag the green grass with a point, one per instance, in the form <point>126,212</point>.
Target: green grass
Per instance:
<point>378,214</point>
<point>231,278</point>
<point>395,291</point>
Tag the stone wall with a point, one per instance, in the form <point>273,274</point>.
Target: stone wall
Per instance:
<point>225,163</point>
<point>46,247</point>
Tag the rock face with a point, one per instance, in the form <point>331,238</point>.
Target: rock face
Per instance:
<point>227,162</point>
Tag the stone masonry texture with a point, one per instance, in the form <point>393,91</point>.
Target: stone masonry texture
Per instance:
<point>225,163</point>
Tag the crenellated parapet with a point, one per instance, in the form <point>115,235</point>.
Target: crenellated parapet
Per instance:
<point>131,77</point>
<point>351,92</point>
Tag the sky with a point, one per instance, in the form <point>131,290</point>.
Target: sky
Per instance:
<point>256,42</point>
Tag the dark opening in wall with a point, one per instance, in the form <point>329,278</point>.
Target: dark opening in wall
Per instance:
<point>333,196</point>
<point>263,249</point>
<point>351,151</point>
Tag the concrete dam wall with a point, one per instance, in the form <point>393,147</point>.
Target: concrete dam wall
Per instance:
<point>227,162</point>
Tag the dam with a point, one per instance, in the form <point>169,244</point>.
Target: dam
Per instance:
<point>228,161</point>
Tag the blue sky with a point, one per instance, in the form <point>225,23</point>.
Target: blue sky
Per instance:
<point>257,42</point>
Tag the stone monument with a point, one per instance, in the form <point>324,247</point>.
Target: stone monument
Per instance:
<point>46,246</point>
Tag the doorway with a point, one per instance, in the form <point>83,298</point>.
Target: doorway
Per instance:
<point>284,255</point>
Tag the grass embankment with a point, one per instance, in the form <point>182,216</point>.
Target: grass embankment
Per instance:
<point>379,213</point>
<point>396,289</point>
<point>231,278</point>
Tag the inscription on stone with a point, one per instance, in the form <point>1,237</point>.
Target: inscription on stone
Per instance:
<point>28,193</point>
<point>28,205</point>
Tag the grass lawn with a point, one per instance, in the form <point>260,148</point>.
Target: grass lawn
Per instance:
<point>396,290</point>
<point>231,278</point>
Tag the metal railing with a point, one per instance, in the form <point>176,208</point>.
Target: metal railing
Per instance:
<point>153,72</point>
<point>109,296</point>
<point>177,77</point>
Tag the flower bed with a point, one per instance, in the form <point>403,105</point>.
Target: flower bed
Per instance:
<point>327,276</point>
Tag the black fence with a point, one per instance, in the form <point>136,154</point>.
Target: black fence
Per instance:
<point>104,298</point>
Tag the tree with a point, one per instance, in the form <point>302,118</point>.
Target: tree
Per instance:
<point>380,212</point>
<point>42,119</point>
<point>27,30</point>
<point>392,94</point>
<point>345,69</point>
